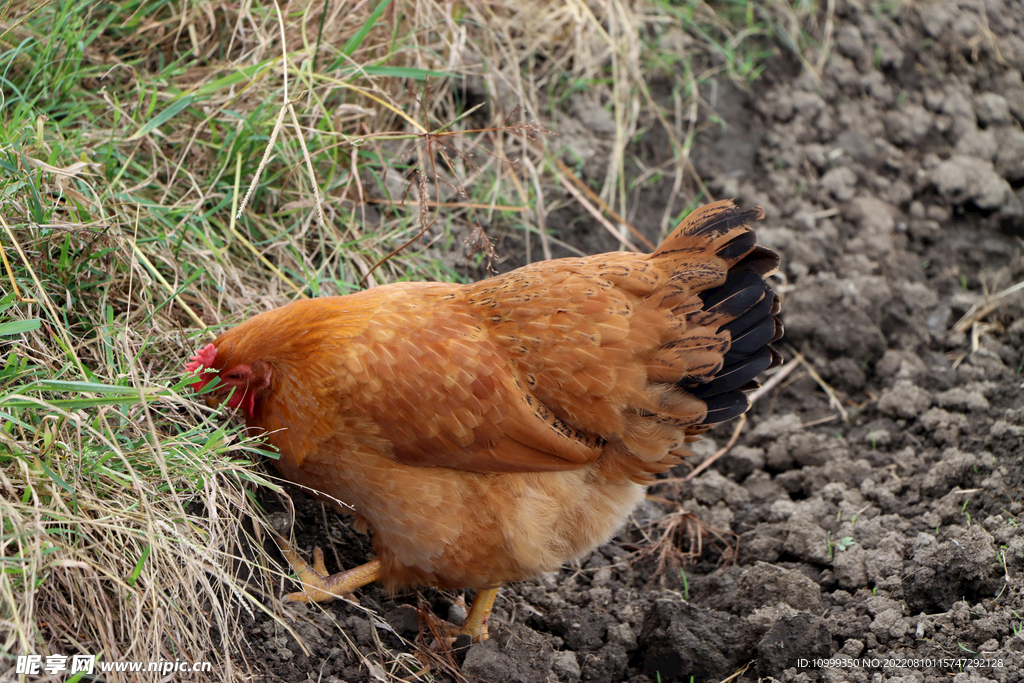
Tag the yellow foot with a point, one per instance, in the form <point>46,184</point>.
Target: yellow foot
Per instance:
<point>317,586</point>
<point>475,624</point>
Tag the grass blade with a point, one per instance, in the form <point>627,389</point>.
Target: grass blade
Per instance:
<point>356,41</point>
<point>163,117</point>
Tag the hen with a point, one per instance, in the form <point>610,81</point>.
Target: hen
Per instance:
<point>489,432</point>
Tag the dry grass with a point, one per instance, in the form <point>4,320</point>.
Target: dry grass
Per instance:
<point>129,133</point>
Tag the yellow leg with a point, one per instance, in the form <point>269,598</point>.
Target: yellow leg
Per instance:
<point>475,625</point>
<point>317,586</point>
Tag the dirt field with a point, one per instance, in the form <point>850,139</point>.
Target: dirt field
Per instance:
<point>873,495</point>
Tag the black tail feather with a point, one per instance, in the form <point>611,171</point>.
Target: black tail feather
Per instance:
<point>752,339</point>
<point>734,375</point>
<point>742,289</point>
<point>725,407</point>
<point>732,332</point>
<point>761,260</point>
<point>738,246</point>
<point>751,306</point>
<point>728,219</point>
<point>755,314</point>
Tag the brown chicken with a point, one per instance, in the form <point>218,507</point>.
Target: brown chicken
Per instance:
<point>489,432</point>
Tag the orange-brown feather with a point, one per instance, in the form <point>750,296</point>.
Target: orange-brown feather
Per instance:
<point>490,431</point>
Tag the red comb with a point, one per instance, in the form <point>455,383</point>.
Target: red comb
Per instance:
<point>203,358</point>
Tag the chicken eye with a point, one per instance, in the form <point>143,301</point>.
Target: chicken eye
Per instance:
<point>234,375</point>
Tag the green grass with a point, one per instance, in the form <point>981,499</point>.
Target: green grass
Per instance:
<point>740,35</point>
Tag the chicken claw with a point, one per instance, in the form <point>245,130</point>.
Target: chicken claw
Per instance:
<point>475,625</point>
<point>317,585</point>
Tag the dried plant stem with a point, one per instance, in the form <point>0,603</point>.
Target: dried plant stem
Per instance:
<point>833,395</point>
<point>456,205</point>
<point>144,260</point>
<point>772,382</point>
<point>740,424</point>
<point>985,307</point>
<point>541,210</point>
<point>69,348</point>
<point>254,183</point>
<point>597,200</point>
<point>249,245</point>
<point>309,165</point>
<point>10,273</point>
<point>592,210</point>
